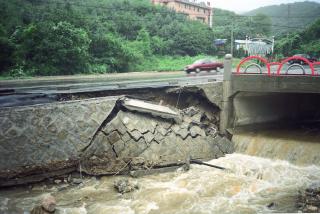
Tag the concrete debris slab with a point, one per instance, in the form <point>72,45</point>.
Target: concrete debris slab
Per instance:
<point>125,186</point>
<point>162,130</point>
<point>148,137</point>
<point>118,147</point>
<point>156,110</point>
<point>196,130</point>
<point>114,137</point>
<point>126,137</point>
<point>136,135</point>
<point>191,111</point>
<point>159,137</point>
<point>183,133</point>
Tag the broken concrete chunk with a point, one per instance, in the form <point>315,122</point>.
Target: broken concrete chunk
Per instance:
<point>77,180</point>
<point>175,128</point>
<point>126,137</point>
<point>158,138</point>
<point>183,133</point>
<point>162,130</point>
<point>144,126</point>
<point>148,137</point>
<point>137,161</point>
<point>191,111</point>
<point>125,120</point>
<point>113,137</point>
<point>125,186</point>
<point>108,128</point>
<point>121,128</point>
<point>196,130</point>
<point>131,125</point>
<point>167,125</point>
<point>226,145</point>
<point>197,118</point>
<point>136,135</point>
<point>154,126</point>
<point>49,203</point>
<point>99,146</point>
<point>118,147</point>
<point>156,110</point>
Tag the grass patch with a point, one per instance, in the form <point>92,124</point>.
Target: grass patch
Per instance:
<point>174,63</point>
<point>169,63</point>
<point>154,63</point>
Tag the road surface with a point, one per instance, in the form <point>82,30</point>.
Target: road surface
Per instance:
<point>46,89</point>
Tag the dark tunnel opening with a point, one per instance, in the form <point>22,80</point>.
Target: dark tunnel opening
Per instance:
<point>276,110</point>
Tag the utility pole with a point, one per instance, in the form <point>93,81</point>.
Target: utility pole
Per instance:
<point>288,22</point>
<point>232,37</point>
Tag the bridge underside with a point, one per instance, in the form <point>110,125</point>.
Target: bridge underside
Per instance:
<point>277,101</point>
<point>275,109</point>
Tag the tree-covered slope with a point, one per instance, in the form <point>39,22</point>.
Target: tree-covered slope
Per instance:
<point>307,41</point>
<point>51,37</point>
<point>290,17</point>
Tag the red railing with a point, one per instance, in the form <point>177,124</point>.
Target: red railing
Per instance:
<point>279,64</point>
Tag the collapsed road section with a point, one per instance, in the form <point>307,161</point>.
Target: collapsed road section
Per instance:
<point>108,136</point>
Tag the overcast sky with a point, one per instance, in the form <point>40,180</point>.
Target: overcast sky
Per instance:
<point>246,5</point>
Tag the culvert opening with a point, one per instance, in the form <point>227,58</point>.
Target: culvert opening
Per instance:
<point>276,110</point>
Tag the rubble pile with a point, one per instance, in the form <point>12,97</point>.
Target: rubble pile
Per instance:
<point>309,200</point>
<point>125,185</point>
<point>134,140</point>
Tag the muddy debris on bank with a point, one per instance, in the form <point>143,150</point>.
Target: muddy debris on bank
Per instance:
<point>309,200</point>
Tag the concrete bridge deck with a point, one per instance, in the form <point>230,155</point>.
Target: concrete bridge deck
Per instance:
<point>255,99</point>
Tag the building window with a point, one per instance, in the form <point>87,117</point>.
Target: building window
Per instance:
<point>185,6</point>
<point>198,10</point>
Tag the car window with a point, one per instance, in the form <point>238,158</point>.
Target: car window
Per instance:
<point>199,61</point>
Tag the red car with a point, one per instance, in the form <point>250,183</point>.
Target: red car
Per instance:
<point>203,65</point>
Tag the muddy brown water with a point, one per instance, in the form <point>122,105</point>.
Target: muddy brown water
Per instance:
<point>252,185</point>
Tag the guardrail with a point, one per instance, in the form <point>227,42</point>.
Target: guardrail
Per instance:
<point>263,66</point>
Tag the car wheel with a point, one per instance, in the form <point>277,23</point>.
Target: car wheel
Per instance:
<point>198,70</point>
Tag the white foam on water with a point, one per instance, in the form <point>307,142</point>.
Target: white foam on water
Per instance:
<point>251,184</point>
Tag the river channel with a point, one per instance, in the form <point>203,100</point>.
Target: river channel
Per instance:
<point>251,185</point>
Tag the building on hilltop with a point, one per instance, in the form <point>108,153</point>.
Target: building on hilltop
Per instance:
<point>194,9</point>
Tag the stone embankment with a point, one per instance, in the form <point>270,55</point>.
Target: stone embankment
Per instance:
<point>103,136</point>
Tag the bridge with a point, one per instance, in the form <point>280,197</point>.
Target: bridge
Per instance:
<point>265,92</point>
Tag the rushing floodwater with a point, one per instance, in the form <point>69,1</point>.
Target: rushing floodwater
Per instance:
<point>250,186</point>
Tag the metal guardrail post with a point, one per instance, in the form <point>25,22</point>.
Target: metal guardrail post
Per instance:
<point>227,105</point>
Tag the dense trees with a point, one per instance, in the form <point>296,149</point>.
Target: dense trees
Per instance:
<point>296,16</point>
<point>52,48</point>
<point>42,37</point>
<point>307,41</point>
<point>52,37</point>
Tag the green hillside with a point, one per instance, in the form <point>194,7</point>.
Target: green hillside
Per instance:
<point>296,16</point>
<point>54,37</point>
